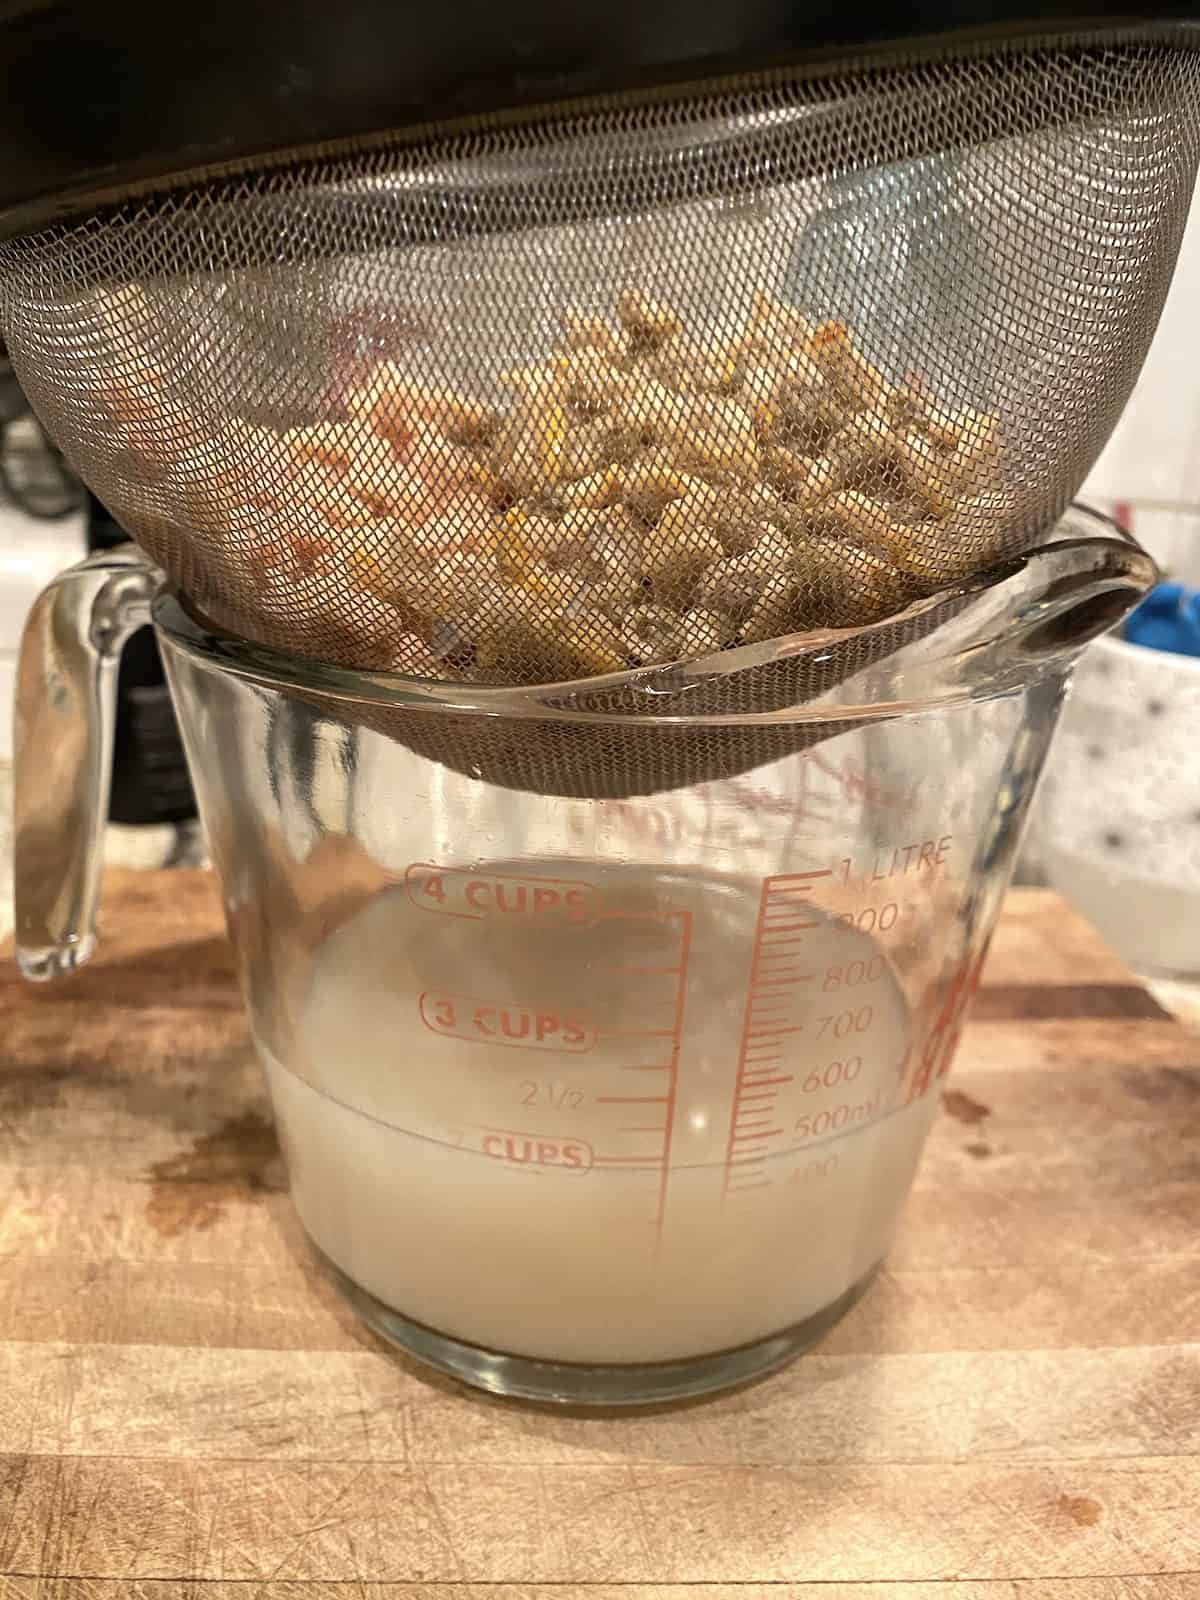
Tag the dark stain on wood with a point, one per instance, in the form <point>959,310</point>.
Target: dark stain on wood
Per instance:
<point>963,1108</point>
<point>1081,1508</point>
<point>192,1190</point>
<point>1165,1086</point>
<point>978,1150</point>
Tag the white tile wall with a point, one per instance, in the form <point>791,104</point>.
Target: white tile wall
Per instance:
<point>1151,464</point>
<point>31,554</point>
<point>1149,473</point>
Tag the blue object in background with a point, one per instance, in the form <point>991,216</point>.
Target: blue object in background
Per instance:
<point>1167,619</point>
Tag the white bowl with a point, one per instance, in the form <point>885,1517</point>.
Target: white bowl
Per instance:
<point>1119,815</point>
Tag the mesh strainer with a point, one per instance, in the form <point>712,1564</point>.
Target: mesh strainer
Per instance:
<point>610,383</point>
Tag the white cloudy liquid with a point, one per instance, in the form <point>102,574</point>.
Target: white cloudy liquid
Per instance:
<point>511,1122</point>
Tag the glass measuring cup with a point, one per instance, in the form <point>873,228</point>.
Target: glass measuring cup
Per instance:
<point>586,1099</point>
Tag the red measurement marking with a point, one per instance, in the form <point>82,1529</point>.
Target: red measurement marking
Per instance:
<point>634,1033</point>
<point>633,1099</point>
<point>640,924</point>
<point>534,1151</point>
<point>685,948</point>
<point>480,895</point>
<point>942,1041</point>
<point>837,1117</point>
<point>776,972</point>
<point>504,1024</point>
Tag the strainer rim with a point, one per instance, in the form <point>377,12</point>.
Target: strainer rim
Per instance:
<point>40,189</point>
<point>219,651</point>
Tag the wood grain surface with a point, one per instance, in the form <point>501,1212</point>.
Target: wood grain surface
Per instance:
<point>187,1408</point>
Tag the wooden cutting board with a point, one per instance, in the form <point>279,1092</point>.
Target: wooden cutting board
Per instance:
<point>187,1408</point>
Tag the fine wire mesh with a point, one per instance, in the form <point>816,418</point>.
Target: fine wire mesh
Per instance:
<point>632,383</point>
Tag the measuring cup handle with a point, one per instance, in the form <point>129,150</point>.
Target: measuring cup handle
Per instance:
<point>64,724</point>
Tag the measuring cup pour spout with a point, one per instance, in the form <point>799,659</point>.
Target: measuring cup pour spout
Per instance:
<point>1036,617</point>
<point>988,635</point>
<point>603,1022</point>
